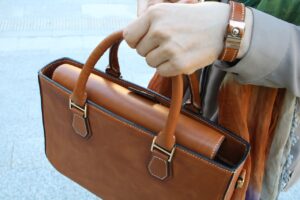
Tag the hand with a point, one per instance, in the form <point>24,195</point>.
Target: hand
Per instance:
<point>180,38</point>
<point>143,5</point>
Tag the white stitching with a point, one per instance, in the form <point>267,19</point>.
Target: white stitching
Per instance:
<point>75,127</point>
<point>234,55</point>
<point>153,174</point>
<point>233,9</point>
<point>224,53</point>
<point>243,12</point>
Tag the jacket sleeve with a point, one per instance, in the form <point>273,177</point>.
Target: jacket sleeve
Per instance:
<point>273,58</point>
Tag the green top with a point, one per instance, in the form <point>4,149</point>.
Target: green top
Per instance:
<point>287,10</point>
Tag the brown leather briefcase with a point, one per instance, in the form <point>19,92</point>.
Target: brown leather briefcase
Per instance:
<point>122,141</point>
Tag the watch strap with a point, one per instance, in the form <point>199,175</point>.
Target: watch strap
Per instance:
<point>234,33</point>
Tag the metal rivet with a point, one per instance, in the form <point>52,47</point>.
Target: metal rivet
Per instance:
<point>235,31</point>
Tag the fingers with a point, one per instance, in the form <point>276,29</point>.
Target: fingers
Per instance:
<point>157,56</point>
<point>135,31</point>
<point>146,44</point>
<point>167,70</point>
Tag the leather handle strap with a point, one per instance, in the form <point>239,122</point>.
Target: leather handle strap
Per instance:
<point>79,96</point>
<point>113,67</point>
<point>166,138</point>
<point>195,100</point>
<point>194,103</point>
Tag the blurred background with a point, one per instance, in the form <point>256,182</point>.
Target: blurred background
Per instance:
<point>32,34</point>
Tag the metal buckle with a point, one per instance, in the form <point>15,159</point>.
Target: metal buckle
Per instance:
<point>240,182</point>
<point>84,109</point>
<point>237,28</point>
<point>233,42</point>
<point>170,154</point>
<point>234,38</point>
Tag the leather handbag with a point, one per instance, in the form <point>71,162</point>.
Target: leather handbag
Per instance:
<point>122,141</point>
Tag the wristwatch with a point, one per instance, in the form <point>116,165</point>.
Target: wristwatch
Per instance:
<point>235,32</point>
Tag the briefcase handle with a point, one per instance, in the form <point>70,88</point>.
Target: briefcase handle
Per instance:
<point>164,142</point>
<point>194,102</point>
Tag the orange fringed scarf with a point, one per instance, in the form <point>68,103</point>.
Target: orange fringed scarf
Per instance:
<point>249,111</point>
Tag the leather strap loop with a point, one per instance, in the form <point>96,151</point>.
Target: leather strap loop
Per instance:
<point>166,138</point>
<point>113,67</point>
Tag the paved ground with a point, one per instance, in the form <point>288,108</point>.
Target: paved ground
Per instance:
<point>33,33</point>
